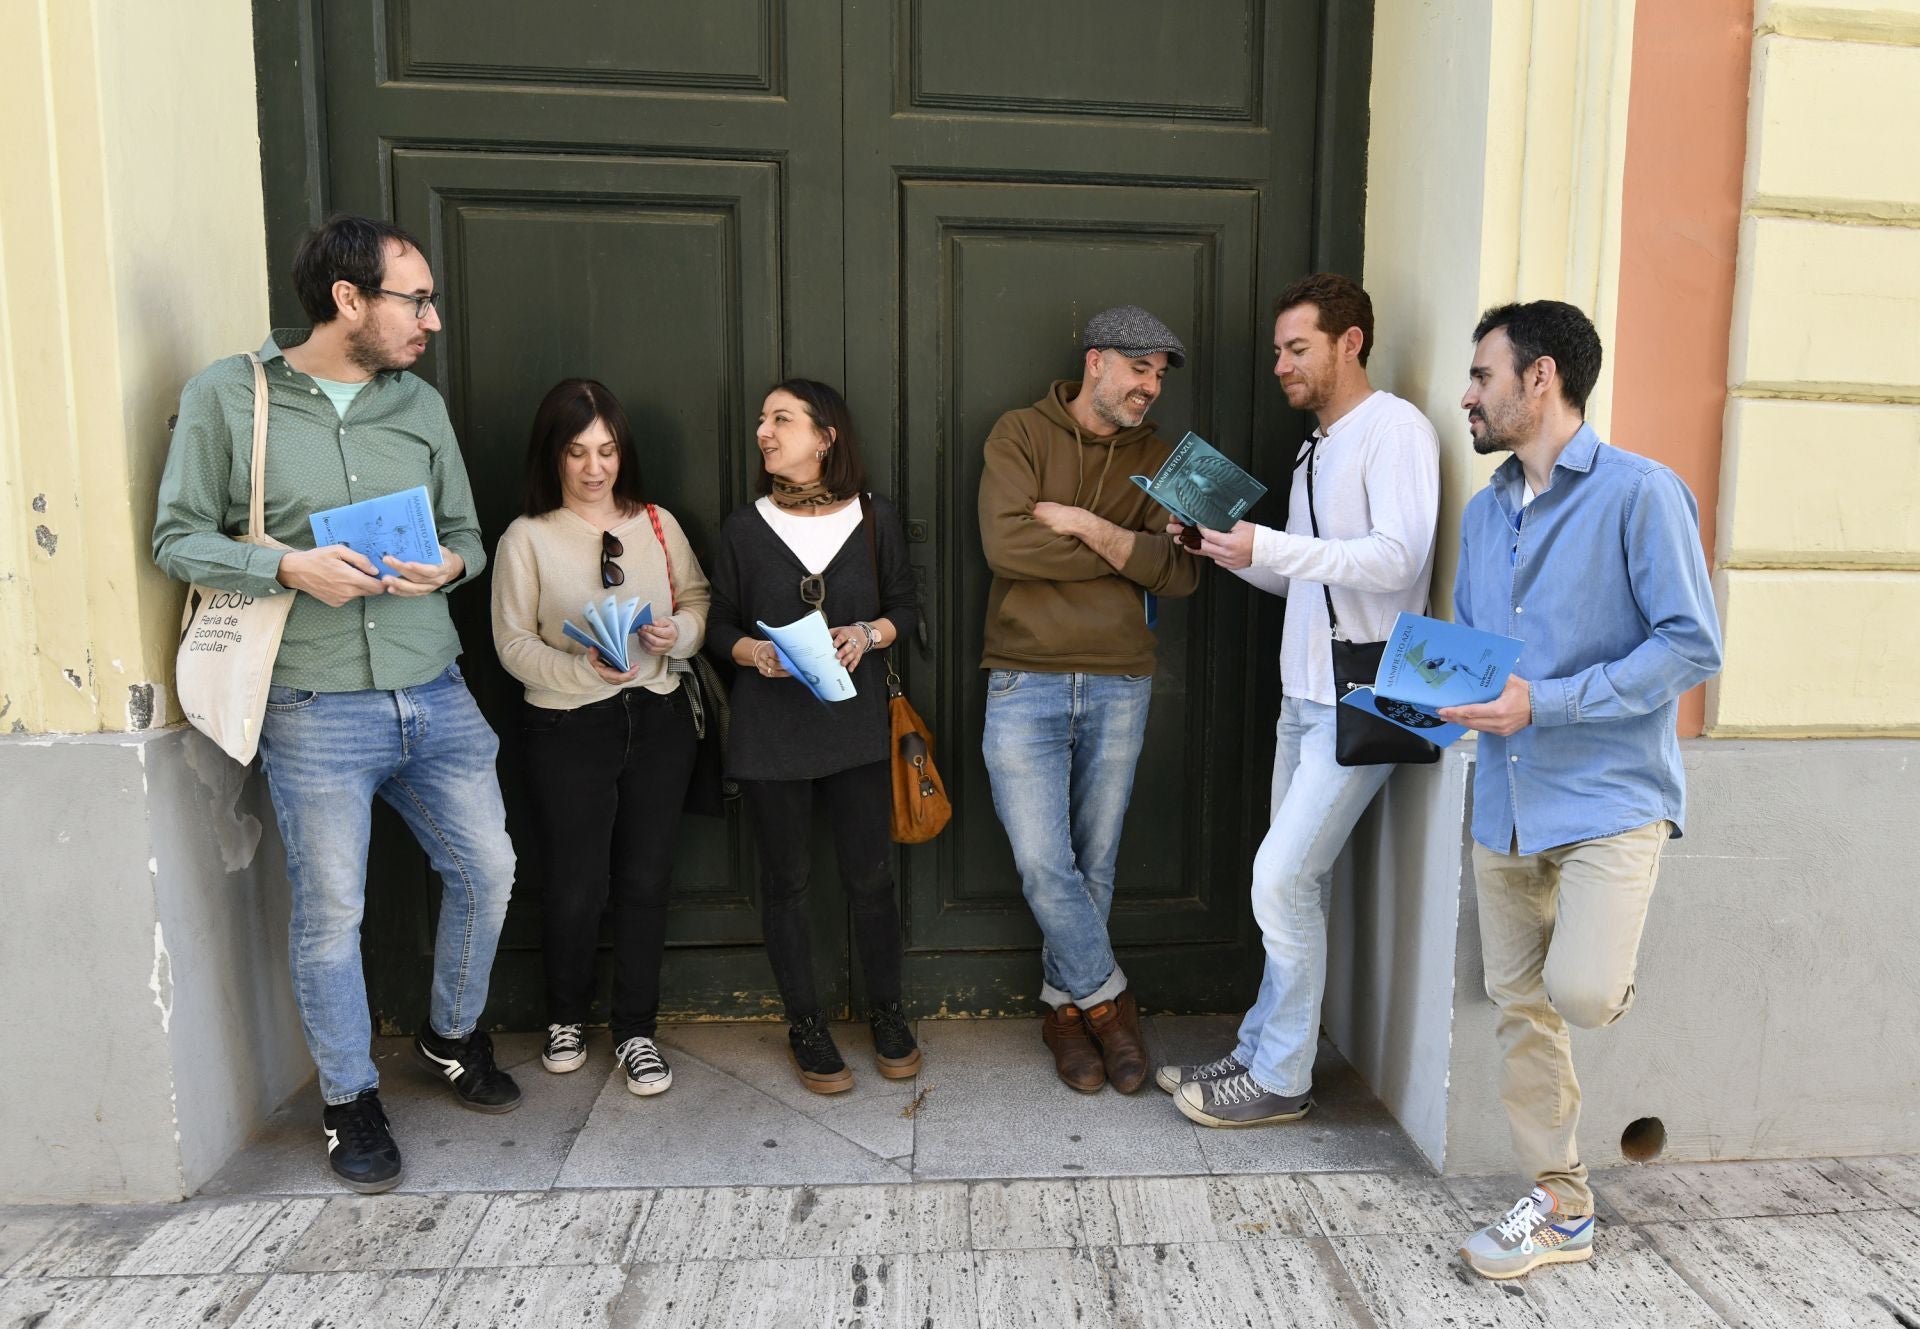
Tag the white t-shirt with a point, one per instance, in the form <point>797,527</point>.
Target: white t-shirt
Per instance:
<point>1377,493</point>
<point>813,540</point>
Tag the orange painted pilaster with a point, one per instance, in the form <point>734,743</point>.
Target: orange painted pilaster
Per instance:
<point>1679,225</point>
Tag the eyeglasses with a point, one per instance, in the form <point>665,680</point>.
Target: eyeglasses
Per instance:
<point>611,574</point>
<point>813,590</point>
<point>421,303</point>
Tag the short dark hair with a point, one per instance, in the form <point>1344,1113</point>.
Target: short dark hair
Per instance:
<point>568,409</point>
<point>343,248</point>
<point>1339,302</point>
<point>1550,328</point>
<point>843,473</point>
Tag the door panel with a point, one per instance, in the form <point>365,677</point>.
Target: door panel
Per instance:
<point>921,201</point>
<point>1015,185</point>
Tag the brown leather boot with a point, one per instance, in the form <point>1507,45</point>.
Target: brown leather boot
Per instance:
<point>1075,1055</point>
<point>1116,1024</point>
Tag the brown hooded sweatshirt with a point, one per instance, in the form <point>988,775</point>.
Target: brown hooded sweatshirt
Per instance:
<point>1055,605</point>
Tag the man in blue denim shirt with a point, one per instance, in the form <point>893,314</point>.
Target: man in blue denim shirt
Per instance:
<point>1591,556</point>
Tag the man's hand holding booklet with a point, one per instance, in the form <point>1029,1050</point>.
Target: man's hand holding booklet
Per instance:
<point>1429,666</point>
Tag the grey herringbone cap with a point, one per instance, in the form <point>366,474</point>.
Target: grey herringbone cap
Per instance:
<point>1131,330</point>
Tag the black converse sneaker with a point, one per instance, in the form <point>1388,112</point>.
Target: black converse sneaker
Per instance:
<point>563,1052</point>
<point>647,1074</point>
<point>816,1058</point>
<point>893,1046</point>
<point>467,1065</point>
<point>360,1148</point>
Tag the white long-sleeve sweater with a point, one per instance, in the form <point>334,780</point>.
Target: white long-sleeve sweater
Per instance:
<point>1377,494</point>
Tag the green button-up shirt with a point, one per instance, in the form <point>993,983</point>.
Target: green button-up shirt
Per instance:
<point>395,435</point>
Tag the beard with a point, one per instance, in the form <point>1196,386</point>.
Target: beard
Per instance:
<point>1318,392</point>
<point>1109,402</point>
<point>365,350</point>
<point>1502,428</point>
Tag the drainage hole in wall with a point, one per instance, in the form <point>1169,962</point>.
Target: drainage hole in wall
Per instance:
<point>1644,1140</point>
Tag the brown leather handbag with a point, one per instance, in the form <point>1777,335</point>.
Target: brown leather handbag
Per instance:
<point>920,807</point>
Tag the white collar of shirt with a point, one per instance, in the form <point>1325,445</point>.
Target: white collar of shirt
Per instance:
<point>1346,421</point>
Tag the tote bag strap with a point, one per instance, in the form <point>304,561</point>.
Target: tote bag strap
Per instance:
<point>257,472</point>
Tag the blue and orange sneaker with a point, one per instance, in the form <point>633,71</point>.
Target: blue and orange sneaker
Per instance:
<point>1533,1233</point>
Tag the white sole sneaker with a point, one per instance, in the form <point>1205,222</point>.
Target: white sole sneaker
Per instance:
<point>561,1065</point>
<point>648,1088</point>
<point>1539,1258</point>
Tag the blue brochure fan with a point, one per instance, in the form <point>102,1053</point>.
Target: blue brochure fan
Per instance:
<point>609,626</point>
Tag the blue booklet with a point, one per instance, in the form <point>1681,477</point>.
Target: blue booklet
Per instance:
<point>399,524</point>
<point>1201,486</point>
<point>1429,664</point>
<point>609,624</point>
<point>805,648</point>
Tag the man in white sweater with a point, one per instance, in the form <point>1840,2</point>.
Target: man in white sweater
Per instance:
<point>1375,494</point>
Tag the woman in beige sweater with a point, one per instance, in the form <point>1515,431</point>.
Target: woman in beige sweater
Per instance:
<point>608,754</point>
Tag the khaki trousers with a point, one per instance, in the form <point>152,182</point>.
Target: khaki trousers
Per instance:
<point>1560,936</point>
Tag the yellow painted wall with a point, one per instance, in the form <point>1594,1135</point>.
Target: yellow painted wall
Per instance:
<point>1494,163</point>
<point>132,253</point>
<point>1819,543</point>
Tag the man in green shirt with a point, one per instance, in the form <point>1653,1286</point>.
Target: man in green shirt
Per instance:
<point>366,697</point>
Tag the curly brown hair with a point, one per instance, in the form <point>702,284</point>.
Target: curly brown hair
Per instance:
<point>1339,301</point>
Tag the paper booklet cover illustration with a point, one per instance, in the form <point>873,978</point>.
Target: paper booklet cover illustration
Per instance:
<point>805,648</point>
<point>1429,664</point>
<point>399,524</point>
<point>1202,487</point>
<point>609,625</point>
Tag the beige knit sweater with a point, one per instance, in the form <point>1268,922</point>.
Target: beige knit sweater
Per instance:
<point>546,568</point>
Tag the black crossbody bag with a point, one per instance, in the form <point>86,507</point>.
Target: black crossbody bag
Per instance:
<point>1361,739</point>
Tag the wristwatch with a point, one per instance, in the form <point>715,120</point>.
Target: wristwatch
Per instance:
<point>873,635</point>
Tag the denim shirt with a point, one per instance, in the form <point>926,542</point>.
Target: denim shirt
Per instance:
<point>1603,578</point>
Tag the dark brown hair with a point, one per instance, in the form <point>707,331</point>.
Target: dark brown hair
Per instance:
<point>1339,302</point>
<point>343,248</point>
<point>1550,329</point>
<point>843,473</point>
<point>569,407</point>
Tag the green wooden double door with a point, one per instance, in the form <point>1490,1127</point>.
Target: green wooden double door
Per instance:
<point>921,201</point>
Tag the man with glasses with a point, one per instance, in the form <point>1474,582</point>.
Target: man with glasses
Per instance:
<point>366,697</point>
<point>1078,553</point>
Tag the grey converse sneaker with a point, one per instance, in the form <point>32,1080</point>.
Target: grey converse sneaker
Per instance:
<point>647,1074</point>
<point>1170,1078</point>
<point>1236,1100</point>
<point>563,1052</point>
<point>1529,1236</point>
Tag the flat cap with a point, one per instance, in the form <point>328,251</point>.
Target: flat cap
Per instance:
<point>1131,330</point>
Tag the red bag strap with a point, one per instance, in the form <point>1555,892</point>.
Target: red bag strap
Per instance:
<point>667,554</point>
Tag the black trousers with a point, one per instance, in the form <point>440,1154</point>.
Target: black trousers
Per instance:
<point>859,809</point>
<point>607,781</point>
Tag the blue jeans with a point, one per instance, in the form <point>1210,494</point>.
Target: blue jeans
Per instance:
<point>1316,802</point>
<point>429,753</point>
<point>1060,751</point>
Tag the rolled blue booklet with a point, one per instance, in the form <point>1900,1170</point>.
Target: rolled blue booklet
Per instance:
<point>805,648</point>
<point>609,626</point>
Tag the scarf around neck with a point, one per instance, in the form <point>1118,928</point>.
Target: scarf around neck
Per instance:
<point>795,498</point>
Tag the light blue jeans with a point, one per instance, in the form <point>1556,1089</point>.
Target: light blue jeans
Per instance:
<point>1316,802</point>
<point>1060,751</point>
<point>429,753</point>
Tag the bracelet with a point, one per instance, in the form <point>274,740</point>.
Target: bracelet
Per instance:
<point>771,659</point>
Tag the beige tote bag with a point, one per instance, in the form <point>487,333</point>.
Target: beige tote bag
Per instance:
<point>228,639</point>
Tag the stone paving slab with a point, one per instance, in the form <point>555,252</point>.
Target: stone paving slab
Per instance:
<point>1370,1250</point>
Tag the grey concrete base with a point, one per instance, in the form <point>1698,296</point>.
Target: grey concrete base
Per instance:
<point>1773,1007</point>
<point>150,1028</point>
<point>986,1105</point>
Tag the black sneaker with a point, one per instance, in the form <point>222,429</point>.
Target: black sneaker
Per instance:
<point>563,1052</point>
<point>467,1065</point>
<point>647,1072</point>
<point>360,1148</point>
<point>816,1058</point>
<point>893,1045</point>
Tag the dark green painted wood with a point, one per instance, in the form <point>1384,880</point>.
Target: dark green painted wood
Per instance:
<point>920,200</point>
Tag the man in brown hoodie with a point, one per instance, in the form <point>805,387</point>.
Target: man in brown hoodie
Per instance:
<point>1078,553</point>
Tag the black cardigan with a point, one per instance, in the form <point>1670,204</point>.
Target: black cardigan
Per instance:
<point>779,730</point>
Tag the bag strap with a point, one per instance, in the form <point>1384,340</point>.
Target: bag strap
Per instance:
<point>873,561</point>
<point>1333,624</point>
<point>257,471</point>
<point>673,595</point>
